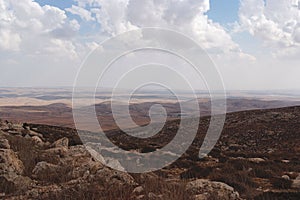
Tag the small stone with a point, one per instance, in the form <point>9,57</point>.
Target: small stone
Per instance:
<point>140,197</point>
<point>286,177</point>
<point>138,190</point>
<point>95,166</point>
<point>27,136</point>
<point>285,161</point>
<point>153,196</point>
<point>256,160</point>
<point>200,197</point>
<point>86,174</point>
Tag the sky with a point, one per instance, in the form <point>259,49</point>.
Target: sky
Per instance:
<point>255,44</point>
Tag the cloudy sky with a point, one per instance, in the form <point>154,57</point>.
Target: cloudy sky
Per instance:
<point>254,43</point>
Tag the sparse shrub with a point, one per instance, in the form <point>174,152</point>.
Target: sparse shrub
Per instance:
<point>239,180</point>
<point>196,172</point>
<point>239,164</point>
<point>240,187</point>
<point>148,149</point>
<point>281,183</point>
<point>6,186</point>
<point>260,172</point>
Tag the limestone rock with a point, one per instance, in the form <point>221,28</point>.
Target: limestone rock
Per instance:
<point>256,160</point>
<point>11,169</point>
<point>37,139</point>
<point>46,171</point>
<point>138,190</point>
<point>63,142</point>
<point>115,177</point>
<point>211,189</point>
<point>286,177</point>
<point>106,161</point>
<point>4,144</point>
<point>33,133</point>
<point>9,162</point>
<point>58,151</point>
<point>11,182</point>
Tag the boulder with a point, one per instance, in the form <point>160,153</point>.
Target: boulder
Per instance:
<point>46,171</point>
<point>33,133</point>
<point>12,183</point>
<point>4,144</point>
<point>58,151</point>
<point>111,162</point>
<point>63,142</point>
<point>115,178</point>
<point>205,189</point>
<point>37,139</point>
<point>9,162</point>
<point>11,169</point>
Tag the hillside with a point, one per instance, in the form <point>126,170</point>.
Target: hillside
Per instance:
<point>257,157</point>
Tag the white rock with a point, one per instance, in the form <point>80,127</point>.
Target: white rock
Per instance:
<point>37,139</point>
<point>256,160</point>
<point>211,188</point>
<point>138,190</point>
<point>286,177</point>
<point>63,142</point>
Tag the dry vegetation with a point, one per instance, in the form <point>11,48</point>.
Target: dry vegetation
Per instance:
<point>257,155</point>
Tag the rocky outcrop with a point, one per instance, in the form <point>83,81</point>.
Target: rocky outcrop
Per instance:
<point>11,170</point>
<point>46,172</point>
<point>9,162</point>
<point>205,189</point>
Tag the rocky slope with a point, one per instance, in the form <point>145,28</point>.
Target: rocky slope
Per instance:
<point>31,167</point>
<point>257,157</point>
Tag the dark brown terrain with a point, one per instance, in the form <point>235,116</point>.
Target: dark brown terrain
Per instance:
<point>257,157</point>
<point>60,114</point>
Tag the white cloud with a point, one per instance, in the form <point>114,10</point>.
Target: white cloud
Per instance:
<point>45,39</point>
<point>186,16</point>
<point>112,16</point>
<point>83,13</point>
<point>275,22</point>
<point>9,40</point>
<point>31,29</point>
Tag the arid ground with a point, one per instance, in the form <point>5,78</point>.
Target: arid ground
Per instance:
<point>256,157</point>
